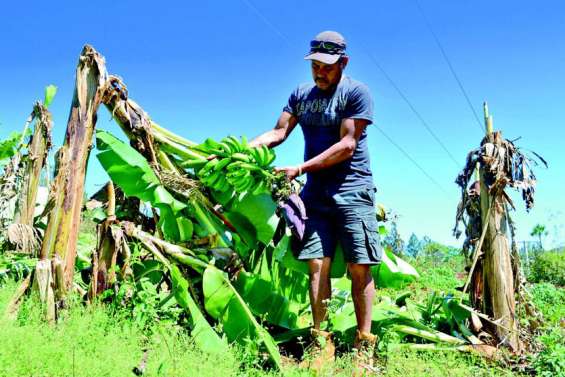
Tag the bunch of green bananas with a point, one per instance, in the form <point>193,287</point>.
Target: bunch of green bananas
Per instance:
<point>236,166</point>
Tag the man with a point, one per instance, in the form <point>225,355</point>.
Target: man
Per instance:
<point>333,113</point>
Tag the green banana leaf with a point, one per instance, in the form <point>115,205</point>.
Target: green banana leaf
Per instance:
<point>50,92</point>
<point>385,315</point>
<point>254,216</point>
<point>131,171</point>
<point>264,301</point>
<point>284,282</point>
<point>284,253</point>
<point>150,269</point>
<point>186,228</point>
<point>245,228</point>
<point>223,302</point>
<point>291,284</point>
<point>9,147</point>
<point>202,333</point>
<point>393,272</point>
<point>456,316</point>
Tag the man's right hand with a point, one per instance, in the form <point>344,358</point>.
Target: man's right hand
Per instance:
<point>291,171</point>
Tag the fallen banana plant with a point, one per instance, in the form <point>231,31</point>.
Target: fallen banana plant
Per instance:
<point>239,300</point>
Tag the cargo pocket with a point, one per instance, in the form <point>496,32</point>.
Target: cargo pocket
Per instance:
<point>369,195</point>
<point>372,239</point>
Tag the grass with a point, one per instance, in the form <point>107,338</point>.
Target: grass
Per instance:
<point>91,341</point>
<point>95,341</point>
<point>434,363</point>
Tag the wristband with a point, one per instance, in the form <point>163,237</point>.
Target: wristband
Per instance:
<point>299,170</point>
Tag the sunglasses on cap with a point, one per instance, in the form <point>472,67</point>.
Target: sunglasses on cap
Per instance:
<point>325,46</point>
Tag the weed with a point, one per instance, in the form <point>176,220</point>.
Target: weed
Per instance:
<point>548,266</point>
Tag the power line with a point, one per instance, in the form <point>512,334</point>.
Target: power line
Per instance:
<point>266,21</point>
<point>444,54</point>
<point>416,112</point>
<point>413,161</point>
<point>406,154</point>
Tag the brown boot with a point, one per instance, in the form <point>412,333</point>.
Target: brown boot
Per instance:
<point>364,346</point>
<point>320,352</point>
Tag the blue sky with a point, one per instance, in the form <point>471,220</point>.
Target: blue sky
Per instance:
<point>209,69</point>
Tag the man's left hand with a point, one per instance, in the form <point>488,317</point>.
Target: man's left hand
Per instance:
<point>290,171</point>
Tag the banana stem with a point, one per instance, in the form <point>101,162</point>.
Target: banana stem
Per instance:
<point>165,161</point>
<point>435,336</point>
<point>171,136</point>
<point>208,224</point>
<point>174,148</point>
<point>176,252</point>
<point>428,347</point>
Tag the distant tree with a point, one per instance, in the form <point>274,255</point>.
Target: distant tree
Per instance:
<point>394,241</point>
<point>434,249</point>
<point>425,241</point>
<point>414,246</point>
<point>539,231</point>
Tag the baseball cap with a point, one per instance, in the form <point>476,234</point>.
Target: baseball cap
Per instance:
<point>327,47</point>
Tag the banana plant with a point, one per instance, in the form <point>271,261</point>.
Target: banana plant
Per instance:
<point>222,300</point>
<point>276,291</point>
<point>202,333</point>
<point>387,316</point>
<point>262,298</point>
<point>224,303</point>
<point>132,173</point>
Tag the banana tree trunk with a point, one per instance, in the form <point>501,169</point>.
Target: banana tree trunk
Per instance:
<point>110,240</point>
<point>38,151</point>
<point>145,135</point>
<point>131,118</point>
<point>68,186</point>
<point>498,277</point>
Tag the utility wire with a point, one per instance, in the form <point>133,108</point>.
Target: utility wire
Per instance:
<point>444,54</point>
<point>266,21</point>
<point>413,161</point>
<point>404,152</point>
<point>416,112</point>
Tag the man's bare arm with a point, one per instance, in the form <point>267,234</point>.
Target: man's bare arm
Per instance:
<point>277,135</point>
<point>350,132</point>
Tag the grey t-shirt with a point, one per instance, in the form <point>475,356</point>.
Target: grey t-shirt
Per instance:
<point>319,115</point>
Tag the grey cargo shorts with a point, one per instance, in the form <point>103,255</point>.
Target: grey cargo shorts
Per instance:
<point>349,218</point>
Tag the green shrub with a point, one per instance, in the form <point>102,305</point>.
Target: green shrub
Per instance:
<point>549,267</point>
<point>549,299</point>
<point>551,361</point>
<point>438,275</point>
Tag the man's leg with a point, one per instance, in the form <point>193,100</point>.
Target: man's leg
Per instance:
<point>363,291</point>
<point>360,240</point>
<point>320,288</point>
<point>320,352</point>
